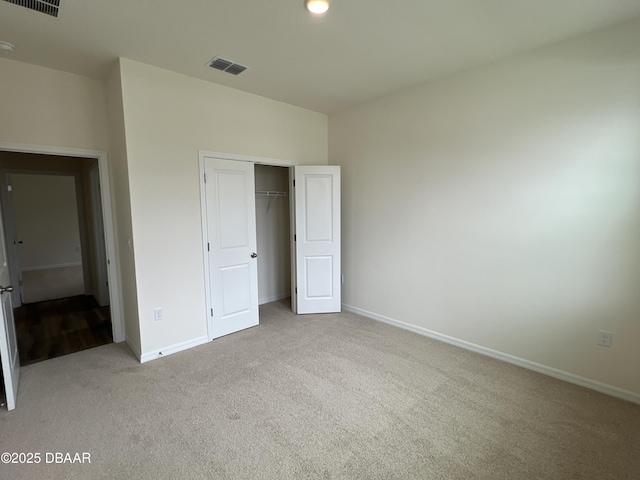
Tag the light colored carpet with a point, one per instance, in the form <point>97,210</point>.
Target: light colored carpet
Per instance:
<point>52,283</point>
<point>315,396</point>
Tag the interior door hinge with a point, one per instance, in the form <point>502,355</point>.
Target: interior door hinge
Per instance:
<point>295,238</point>
<point>296,290</point>
<point>205,178</point>
<point>9,188</point>
<point>208,248</point>
<point>212,312</point>
<point>294,183</point>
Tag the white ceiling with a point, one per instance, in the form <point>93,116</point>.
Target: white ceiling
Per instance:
<point>359,50</point>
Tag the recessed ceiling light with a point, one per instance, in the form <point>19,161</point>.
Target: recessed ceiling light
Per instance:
<point>6,46</point>
<point>317,6</point>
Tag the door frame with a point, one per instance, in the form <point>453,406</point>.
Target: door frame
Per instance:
<point>202,154</point>
<point>115,294</point>
<point>98,228</point>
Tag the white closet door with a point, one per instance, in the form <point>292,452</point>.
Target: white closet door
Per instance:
<point>317,239</point>
<point>8,338</point>
<point>231,233</point>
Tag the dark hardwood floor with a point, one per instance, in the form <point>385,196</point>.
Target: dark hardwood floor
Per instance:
<point>57,327</point>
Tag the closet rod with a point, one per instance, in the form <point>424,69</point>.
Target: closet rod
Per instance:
<point>272,194</point>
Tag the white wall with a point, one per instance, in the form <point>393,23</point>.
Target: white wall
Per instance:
<point>41,106</point>
<point>119,171</point>
<point>500,206</point>
<point>169,117</point>
<point>273,230</point>
<point>46,220</point>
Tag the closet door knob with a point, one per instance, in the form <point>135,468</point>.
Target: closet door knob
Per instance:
<point>254,255</point>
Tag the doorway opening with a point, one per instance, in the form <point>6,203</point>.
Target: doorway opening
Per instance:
<point>273,232</point>
<point>54,235</point>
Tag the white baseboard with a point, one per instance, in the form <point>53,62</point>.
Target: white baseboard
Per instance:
<point>178,347</point>
<point>135,351</point>
<point>273,298</point>
<point>505,357</point>
<point>48,267</point>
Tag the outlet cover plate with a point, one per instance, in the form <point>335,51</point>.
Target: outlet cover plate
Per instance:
<point>604,338</point>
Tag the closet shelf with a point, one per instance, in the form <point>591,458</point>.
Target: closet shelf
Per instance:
<point>272,194</point>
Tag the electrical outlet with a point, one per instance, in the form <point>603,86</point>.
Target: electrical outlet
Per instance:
<point>157,314</point>
<point>604,338</point>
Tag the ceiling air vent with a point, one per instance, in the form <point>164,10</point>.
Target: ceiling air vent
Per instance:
<point>50,7</point>
<point>228,66</point>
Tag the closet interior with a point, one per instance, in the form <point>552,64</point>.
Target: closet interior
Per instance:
<point>273,224</point>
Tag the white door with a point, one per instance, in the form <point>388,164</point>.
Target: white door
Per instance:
<point>231,237</point>
<point>8,338</point>
<point>14,244</point>
<point>317,239</point>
